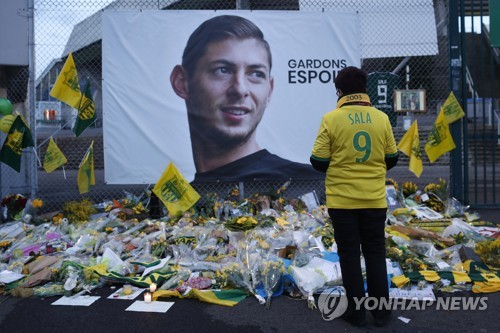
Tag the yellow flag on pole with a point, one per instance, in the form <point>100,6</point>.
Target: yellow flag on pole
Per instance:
<point>174,191</point>
<point>410,146</point>
<point>54,157</point>
<point>440,140</point>
<point>86,176</point>
<point>452,109</point>
<point>67,86</point>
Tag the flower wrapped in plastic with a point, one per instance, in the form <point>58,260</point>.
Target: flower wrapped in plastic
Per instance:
<point>11,206</point>
<point>79,211</point>
<point>195,282</point>
<point>143,258</point>
<point>308,280</point>
<point>241,223</point>
<point>440,189</point>
<point>489,251</point>
<point>206,244</point>
<point>409,188</point>
<point>236,276</point>
<point>49,290</point>
<point>158,247</point>
<point>30,211</point>
<point>326,233</point>
<point>271,272</point>
<point>174,281</point>
<point>252,249</point>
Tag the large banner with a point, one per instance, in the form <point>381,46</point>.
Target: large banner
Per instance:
<point>146,119</point>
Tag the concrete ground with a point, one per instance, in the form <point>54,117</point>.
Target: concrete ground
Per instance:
<point>187,315</point>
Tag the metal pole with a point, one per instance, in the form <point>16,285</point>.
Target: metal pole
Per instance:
<point>401,65</point>
<point>32,168</point>
<point>457,60</point>
<point>242,4</point>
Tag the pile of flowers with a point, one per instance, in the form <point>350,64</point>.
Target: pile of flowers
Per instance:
<point>265,245</point>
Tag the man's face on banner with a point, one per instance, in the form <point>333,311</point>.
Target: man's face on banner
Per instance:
<point>230,90</point>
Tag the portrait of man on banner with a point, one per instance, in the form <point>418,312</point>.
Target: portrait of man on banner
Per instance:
<point>226,81</point>
<point>230,109</point>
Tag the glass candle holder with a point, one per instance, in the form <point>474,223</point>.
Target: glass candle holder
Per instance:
<point>127,289</point>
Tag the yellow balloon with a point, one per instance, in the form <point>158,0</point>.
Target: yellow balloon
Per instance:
<point>6,122</point>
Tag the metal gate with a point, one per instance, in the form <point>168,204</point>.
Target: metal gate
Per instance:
<point>475,77</point>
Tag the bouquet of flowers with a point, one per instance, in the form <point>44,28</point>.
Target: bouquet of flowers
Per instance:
<point>241,223</point>
<point>12,205</point>
<point>489,251</point>
<point>78,211</point>
<point>409,188</point>
<point>235,276</point>
<point>440,189</point>
<point>158,247</point>
<point>327,235</point>
<point>272,272</point>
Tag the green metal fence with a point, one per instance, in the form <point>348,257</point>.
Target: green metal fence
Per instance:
<point>475,78</point>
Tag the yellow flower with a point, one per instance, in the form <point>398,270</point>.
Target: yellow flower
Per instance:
<point>409,188</point>
<point>57,218</point>
<point>139,208</point>
<point>263,244</point>
<point>282,222</point>
<point>37,203</point>
<point>4,243</point>
<point>390,181</point>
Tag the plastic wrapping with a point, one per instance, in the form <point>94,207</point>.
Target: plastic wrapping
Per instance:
<point>308,280</point>
<point>204,253</point>
<point>459,227</point>
<point>173,282</point>
<point>272,270</point>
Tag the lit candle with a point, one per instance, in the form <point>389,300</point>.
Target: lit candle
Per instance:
<point>147,297</point>
<point>152,287</point>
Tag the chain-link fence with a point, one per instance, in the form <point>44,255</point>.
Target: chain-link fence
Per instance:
<point>74,26</point>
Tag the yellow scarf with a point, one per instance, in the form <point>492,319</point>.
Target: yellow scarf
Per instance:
<point>354,99</point>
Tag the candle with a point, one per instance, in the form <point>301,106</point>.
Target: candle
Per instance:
<point>147,297</point>
<point>152,287</point>
<point>127,289</point>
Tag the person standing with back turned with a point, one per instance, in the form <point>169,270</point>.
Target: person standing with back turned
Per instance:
<point>355,147</point>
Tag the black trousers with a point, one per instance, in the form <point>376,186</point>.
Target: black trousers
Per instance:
<point>357,230</point>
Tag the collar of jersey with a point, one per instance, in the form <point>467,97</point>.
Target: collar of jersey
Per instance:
<point>354,99</point>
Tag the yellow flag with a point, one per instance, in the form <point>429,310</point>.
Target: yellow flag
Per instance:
<point>67,86</point>
<point>86,176</point>
<point>410,146</point>
<point>174,191</point>
<point>54,157</point>
<point>440,140</point>
<point>452,109</point>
